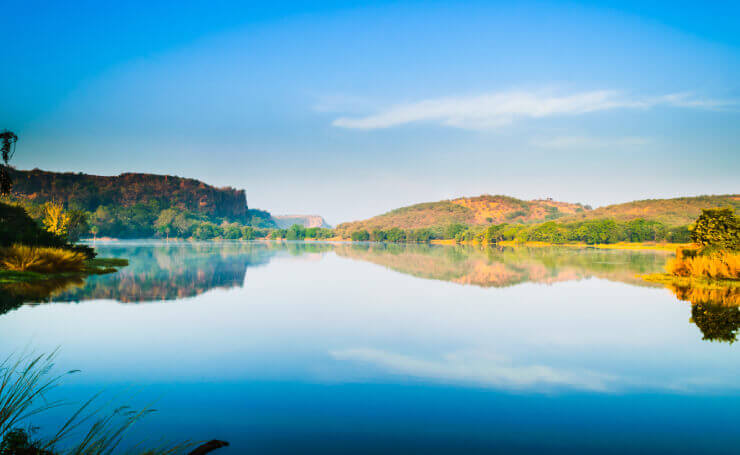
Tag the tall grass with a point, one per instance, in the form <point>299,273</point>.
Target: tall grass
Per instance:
<point>23,258</point>
<point>717,265</point>
<point>25,382</point>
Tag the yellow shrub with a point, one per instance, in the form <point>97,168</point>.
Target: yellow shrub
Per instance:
<point>43,260</point>
<point>720,265</point>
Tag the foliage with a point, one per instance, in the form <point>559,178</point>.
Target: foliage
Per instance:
<point>589,232</point>
<point>718,228</point>
<point>23,258</point>
<point>715,264</point>
<point>360,236</point>
<point>8,139</point>
<point>56,219</point>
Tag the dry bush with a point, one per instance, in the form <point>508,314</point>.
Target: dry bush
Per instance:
<point>718,265</point>
<point>24,258</point>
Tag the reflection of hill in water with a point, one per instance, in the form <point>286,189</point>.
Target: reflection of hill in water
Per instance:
<point>500,267</point>
<point>171,271</point>
<point>159,271</point>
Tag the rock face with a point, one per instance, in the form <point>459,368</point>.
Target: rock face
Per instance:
<point>91,191</point>
<point>308,221</point>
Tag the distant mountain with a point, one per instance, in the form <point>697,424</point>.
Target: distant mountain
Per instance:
<point>480,210</point>
<point>91,191</point>
<point>671,212</point>
<point>308,221</point>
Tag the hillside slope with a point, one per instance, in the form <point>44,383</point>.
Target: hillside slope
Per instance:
<point>671,212</point>
<point>88,192</point>
<point>480,210</point>
<point>486,209</point>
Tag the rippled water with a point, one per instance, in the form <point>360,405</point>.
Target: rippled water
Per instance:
<point>366,348</point>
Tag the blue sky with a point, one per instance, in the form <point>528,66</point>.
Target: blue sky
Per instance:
<point>348,110</point>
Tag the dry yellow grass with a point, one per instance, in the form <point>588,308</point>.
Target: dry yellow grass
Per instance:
<point>22,258</point>
<point>720,265</point>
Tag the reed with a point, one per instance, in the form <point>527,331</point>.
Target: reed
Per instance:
<point>25,382</point>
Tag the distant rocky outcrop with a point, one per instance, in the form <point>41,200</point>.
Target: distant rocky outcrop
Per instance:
<point>91,191</point>
<point>308,221</point>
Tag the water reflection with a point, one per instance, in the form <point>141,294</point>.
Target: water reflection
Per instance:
<point>501,267</point>
<point>715,311</point>
<point>167,271</point>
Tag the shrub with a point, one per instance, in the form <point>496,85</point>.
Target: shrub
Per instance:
<point>717,265</point>
<point>24,258</point>
<point>717,227</point>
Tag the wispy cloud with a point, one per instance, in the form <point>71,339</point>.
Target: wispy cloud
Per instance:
<point>477,367</point>
<point>493,110</point>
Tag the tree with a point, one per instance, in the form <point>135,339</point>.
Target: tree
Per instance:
<point>360,236</point>
<point>56,220</point>
<point>94,230</point>
<point>7,146</point>
<point>78,225</point>
<point>717,228</point>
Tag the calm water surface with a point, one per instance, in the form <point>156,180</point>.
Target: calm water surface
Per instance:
<point>364,348</point>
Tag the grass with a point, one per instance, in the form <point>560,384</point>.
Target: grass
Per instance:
<point>25,383</point>
<point>24,258</point>
<point>720,265</point>
<point>706,271</point>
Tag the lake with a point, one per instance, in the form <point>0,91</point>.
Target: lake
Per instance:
<point>336,348</point>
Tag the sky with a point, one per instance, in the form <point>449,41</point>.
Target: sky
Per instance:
<point>351,109</point>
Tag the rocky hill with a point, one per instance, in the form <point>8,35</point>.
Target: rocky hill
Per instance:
<point>472,211</point>
<point>91,191</point>
<point>307,221</point>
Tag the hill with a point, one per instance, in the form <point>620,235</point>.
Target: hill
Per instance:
<point>471,211</point>
<point>307,221</point>
<point>140,205</point>
<point>88,192</point>
<point>679,211</point>
<point>486,210</point>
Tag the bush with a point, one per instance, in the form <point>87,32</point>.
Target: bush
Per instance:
<point>22,258</point>
<point>717,227</point>
<point>694,263</point>
<point>360,236</point>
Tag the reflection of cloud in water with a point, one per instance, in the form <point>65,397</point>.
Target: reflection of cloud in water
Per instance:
<point>476,367</point>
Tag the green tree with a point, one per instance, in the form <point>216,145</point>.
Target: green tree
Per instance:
<point>360,236</point>
<point>717,228</point>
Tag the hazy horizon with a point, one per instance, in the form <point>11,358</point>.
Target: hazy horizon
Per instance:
<point>349,111</point>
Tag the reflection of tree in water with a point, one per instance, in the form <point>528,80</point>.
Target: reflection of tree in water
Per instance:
<point>500,267</point>
<point>715,311</point>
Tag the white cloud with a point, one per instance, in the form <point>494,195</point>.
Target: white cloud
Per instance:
<point>476,367</point>
<point>493,110</point>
